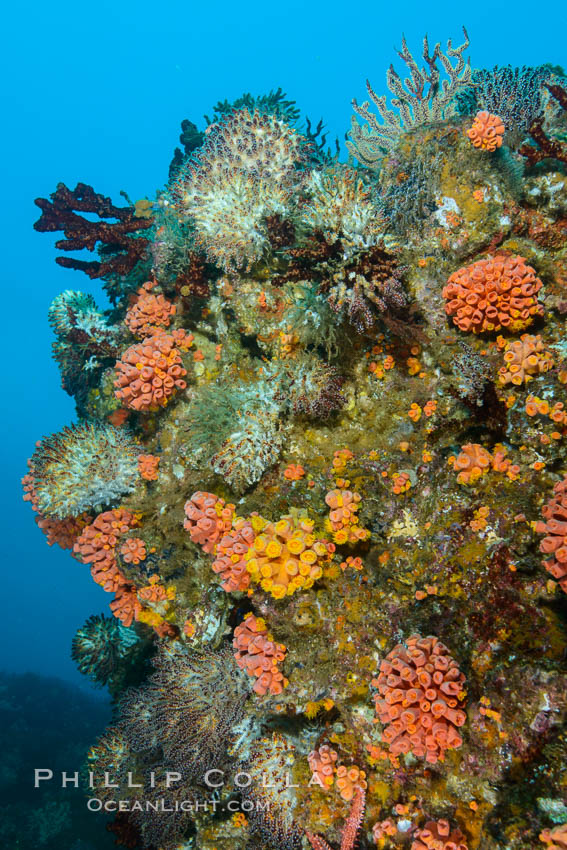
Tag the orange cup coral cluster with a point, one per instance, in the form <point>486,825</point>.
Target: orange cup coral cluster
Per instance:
<point>401,483</point>
<point>148,467</point>
<point>149,312</point>
<point>257,653</point>
<point>343,519</point>
<point>125,605</point>
<point>474,461</point>
<point>63,532</point>
<point>155,599</point>
<point>285,556</point>
<point>500,292</point>
<point>524,358</point>
<point>322,764</point>
<point>230,562</point>
<point>420,699</point>
<point>148,374</point>
<point>207,518</point>
<point>438,835</point>
<point>281,556</point>
<point>556,838</point>
<point>348,779</point>
<point>487,131</point>
<point>133,550</point>
<point>555,529</point>
<point>383,829</point>
<point>294,472</point>
<point>97,546</point>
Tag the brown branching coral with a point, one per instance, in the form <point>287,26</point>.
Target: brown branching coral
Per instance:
<point>307,258</point>
<point>424,100</point>
<point>192,282</point>
<point>368,286</point>
<point>118,243</point>
<point>547,148</point>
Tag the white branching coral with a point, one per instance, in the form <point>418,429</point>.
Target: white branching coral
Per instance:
<point>340,206</point>
<point>83,467</point>
<point>252,448</point>
<point>421,98</point>
<point>245,172</point>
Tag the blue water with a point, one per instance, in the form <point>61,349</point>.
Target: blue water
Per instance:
<point>96,93</point>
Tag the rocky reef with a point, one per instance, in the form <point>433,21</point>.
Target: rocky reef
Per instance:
<point>319,468</point>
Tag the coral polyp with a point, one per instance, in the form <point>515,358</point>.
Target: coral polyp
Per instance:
<point>318,472</point>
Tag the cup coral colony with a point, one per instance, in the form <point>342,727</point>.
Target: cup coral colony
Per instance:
<point>319,469</point>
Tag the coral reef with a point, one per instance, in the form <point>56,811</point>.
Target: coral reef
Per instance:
<point>318,460</point>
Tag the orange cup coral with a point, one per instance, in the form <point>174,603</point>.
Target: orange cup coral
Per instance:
<point>438,835</point>
<point>149,312</point>
<point>125,605</point>
<point>133,550</point>
<point>97,546</point>
<point>343,519</point>
<point>555,529</point>
<point>148,374</point>
<point>64,532</point>
<point>471,463</point>
<point>556,838</point>
<point>257,653</point>
<point>524,358</point>
<point>420,699</point>
<point>486,132</point>
<point>500,292</point>
<point>230,561</point>
<point>322,764</point>
<point>294,472</point>
<point>207,518</point>
<point>148,467</point>
<point>349,779</point>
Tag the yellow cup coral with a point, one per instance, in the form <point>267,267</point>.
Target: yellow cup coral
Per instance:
<point>285,556</point>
